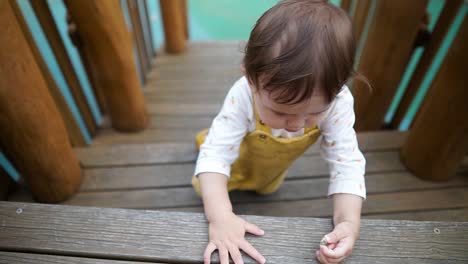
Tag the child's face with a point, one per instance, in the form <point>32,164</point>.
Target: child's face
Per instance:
<point>291,117</point>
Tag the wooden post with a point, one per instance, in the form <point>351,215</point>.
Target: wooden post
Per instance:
<point>185,18</point>
<point>5,184</point>
<point>74,132</point>
<point>102,29</point>
<point>360,16</point>
<point>443,24</point>
<point>438,139</point>
<point>33,134</point>
<point>139,39</point>
<point>346,5</point>
<point>41,9</point>
<point>384,58</point>
<point>173,22</point>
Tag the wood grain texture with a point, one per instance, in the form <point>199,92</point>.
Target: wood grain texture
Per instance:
<point>33,134</point>
<point>29,258</point>
<point>291,190</point>
<point>143,236</point>
<point>73,129</point>
<point>5,184</point>
<point>384,58</point>
<point>111,49</point>
<point>44,15</point>
<point>360,16</point>
<point>443,24</point>
<point>138,37</point>
<point>174,24</point>
<point>438,139</point>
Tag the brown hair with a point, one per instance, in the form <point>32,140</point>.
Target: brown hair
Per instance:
<point>297,46</point>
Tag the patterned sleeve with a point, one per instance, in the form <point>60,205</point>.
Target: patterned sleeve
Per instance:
<point>339,147</point>
<point>221,146</point>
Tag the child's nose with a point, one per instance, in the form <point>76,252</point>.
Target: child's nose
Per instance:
<point>296,122</point>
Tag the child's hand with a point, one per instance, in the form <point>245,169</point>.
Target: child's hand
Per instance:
<point>227,235</point>
<point>338,244</point>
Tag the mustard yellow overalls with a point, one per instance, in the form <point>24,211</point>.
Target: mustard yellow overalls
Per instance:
<point>263,159</point>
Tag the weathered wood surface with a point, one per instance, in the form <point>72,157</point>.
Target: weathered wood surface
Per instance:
<point>44,15</point>
<point>438,139</point>
<point>385,54</point>
<point>29,258</point>
<point>141,154</point>
<point>40,151</point>
<point>143,235</point>
<point>111,50</point>
<point>74,132</point>
<point>444,22</point>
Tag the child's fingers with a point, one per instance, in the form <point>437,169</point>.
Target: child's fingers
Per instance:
<point>337,252</point>
<point>253,229</point>
<point>208,251</point>
<point>251,251</point>
<point>322,259</point>
<point>235,254</point>
<point>223,254</point>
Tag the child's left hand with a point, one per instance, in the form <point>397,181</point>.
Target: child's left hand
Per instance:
<point>339,243</point>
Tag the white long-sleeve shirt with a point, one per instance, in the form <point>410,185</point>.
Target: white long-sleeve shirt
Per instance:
<point>338,146</point>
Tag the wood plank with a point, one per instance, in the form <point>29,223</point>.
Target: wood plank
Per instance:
<point>138,235</point>
<point>184,109</point>
<point>170,122</point>
<point>141,154</point>
<point>459,215</point>
<point>29,258</point>
<point>444,22</point>
<point>186,135</point>
<point>45,17</point>
<point>110,137</point>
<point>384,58</point>
<point>178,85</point>
<point>291,190</point>
<point>375,204</point>
<point>172,175</point>
<point>136,154</point>
<point>73,129</point>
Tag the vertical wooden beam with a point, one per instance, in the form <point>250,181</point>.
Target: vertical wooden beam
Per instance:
<point>138,36</point>
<point>6,184</point>
<point>359,18</point>
<point>74,132</point>
<point>438,140</point>
<point>346,5</point>
<point>443,24</point>
<point>89,67</point>
<point>33,134</point>
<point>185,18</point>
<point>41,9</point>
<point>173,22</point>
<point>102,28</point>
<point>384,58</point>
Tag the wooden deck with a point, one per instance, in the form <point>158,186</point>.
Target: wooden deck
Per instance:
<point>37,233</point>
<point>152,169</point>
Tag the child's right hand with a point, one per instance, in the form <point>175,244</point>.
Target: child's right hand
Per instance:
<point>226,234</point>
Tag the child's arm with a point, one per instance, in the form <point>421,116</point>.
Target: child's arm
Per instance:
<point>347,221</point>
<point>226,230</point>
